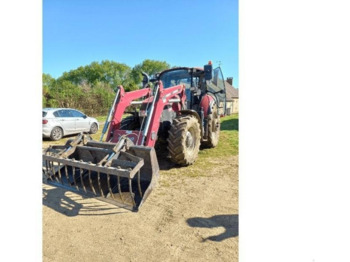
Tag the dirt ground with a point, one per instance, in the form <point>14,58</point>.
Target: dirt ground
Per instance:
<point>186,218</point>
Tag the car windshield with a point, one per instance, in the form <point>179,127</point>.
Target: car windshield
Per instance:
<point>44,113</point>
<point>176,77</point>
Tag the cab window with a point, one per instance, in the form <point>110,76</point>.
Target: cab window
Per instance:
<point>217,84</point>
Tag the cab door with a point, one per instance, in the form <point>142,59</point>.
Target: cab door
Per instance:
<point>217,87</point>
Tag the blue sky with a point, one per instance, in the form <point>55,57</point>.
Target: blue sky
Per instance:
<point>182,33</point>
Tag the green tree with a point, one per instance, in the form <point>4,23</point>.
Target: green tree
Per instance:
<point>66,94</point>
<point>47,83</point>
<point>151,67</point>
<point>91,88</point>
<point>109,72</point>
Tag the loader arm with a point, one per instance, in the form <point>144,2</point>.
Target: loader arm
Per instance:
<point>125,100</point>
<point>147,135</point>
<point>173,95</point>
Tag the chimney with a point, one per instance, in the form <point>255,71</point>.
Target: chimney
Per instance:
<point>230,80</point>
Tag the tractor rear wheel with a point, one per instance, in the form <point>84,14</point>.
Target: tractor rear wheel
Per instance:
<point>213,128</point>
<point>184,140</point>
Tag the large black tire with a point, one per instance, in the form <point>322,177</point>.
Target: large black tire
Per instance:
<point>184,140</point>
<point>213,129</point>
<point>130,123</point>
<point>56,133</point>
<point>93,128</point>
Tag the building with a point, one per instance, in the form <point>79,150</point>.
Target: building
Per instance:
<point>232,98</point>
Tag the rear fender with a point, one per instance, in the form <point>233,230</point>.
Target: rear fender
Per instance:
<point>206,104</point>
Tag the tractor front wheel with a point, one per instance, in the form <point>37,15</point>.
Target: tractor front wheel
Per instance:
<point>184,140</point>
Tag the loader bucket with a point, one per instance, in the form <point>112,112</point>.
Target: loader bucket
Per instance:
<point>112,172</point>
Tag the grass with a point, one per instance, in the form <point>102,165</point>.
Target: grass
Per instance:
<point>228,142</point>
<point>101,119</point>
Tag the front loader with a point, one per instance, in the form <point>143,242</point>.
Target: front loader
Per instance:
<point>180,106</point>
<point>124,169</point>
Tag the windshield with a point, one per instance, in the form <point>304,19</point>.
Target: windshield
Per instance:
<point>176,77</point>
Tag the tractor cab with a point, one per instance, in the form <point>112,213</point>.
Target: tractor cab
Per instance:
<point>198,82</point>
<point>185,76</point>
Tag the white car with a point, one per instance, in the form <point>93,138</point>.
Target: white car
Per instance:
<point>59,122</point>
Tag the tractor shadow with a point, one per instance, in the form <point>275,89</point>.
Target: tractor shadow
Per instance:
<point>66,137</point>
<point>230,124</point>
<point>229,222</point>
<point>70,204</point>
<point>163,158</point>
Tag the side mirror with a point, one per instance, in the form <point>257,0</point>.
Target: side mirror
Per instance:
<point>84,116</point>
<point>208,72</point>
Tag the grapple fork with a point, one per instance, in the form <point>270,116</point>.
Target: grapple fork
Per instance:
<point>118,173</point>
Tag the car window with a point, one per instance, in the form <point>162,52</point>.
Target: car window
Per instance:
<point>56,114</point>
<point>76,113</point>
<point>65,113</point>
<point>44,113</point>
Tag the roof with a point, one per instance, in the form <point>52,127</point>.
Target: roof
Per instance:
<point>231,92</point>
<point>195,69</point>
<point>46,109</point>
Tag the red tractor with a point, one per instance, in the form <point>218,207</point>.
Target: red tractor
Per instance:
<point>181,106</point>
<point>186,112</point>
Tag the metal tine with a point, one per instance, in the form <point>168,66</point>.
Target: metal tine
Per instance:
<point>53,170</point>
<point>81,178</point>
<point>119,189</point>
<point>50,169</point>
<point>99,183</point>
<point>47,170</point>
<point>109,186</point>
<point>75,181</point>
<point>92,187</point>
<point>59,172</point>
<point>130,189</point>
<point>138,182</point>
<point>66,171</point>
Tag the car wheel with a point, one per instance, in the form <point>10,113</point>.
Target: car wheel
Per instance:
<point>93,128</point>
<point>56,133</point>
